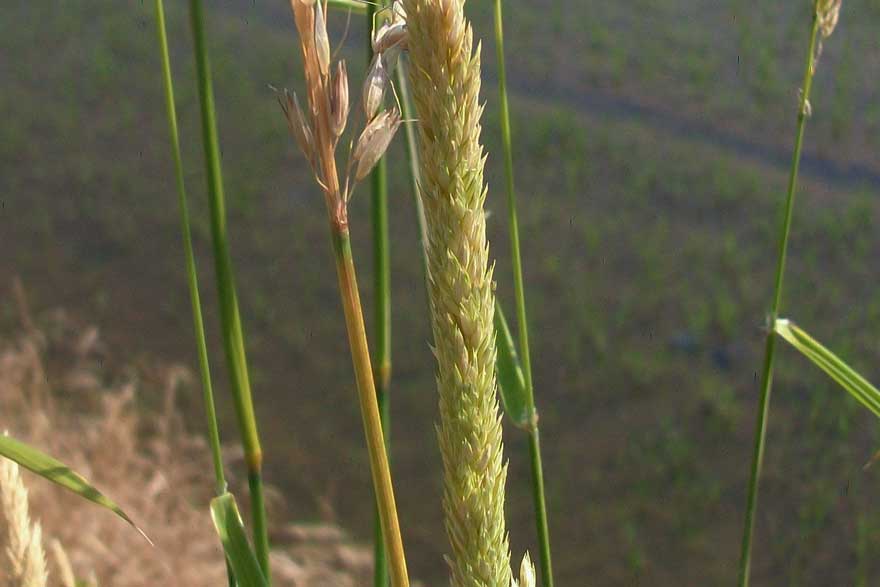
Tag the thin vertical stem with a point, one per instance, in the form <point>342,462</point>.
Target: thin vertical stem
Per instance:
<point>770,343</point>
<point>191,274</point>
<point>412,156</point>
<point>540,504</point>
<point>537,468</point>
<point>360,354</point>
<point>233,336</point>
<point>382,313</point>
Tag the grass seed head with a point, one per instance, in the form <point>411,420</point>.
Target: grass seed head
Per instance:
<point>329,106</point>
<point>374,141</point>
<point>828,13</point>
<point>374,86</point>
<point>390,35</point>
<point>445,84</point>
<point>322,41</point>
<point>339,99</point>
<point>62,564</point>
<point>24,541</point>
<point>298,125</point>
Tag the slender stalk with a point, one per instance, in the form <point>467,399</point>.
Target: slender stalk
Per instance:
<point>382,313</point>
<point>770,343</point>
<point>191,273</point>
<point>412,156</point>
<point>360,354</point>
<point>233,336</point>
<point>318,134</point>
<point>537,468</point>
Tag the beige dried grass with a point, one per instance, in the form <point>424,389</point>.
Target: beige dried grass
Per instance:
<point>56,394</point>
<point>25,559</point>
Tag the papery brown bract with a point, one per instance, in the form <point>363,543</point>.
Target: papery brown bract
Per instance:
<point>374,141</point>
<point>374,86</point>
<point>339,99</point>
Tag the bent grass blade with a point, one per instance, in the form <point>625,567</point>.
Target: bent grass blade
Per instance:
<point>53,470</point>
<point>848,378</point>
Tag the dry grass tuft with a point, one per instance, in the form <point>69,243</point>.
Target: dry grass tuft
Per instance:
<point>55,394</point>
<point>24,555</point>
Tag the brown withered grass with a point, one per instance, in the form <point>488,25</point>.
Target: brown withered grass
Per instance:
<point>55,394</point>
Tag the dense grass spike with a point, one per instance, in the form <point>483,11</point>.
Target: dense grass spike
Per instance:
<point>537,468</point>
<point>445,82</point>
<point>820,15</point>
<point>233,336</point>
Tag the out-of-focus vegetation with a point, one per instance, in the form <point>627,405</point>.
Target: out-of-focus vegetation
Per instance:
<point>651,142</point>
<point>120,425</point>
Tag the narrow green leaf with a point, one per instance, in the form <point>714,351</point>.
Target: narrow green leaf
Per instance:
<point>57,472</point>
<point>356,6</point>
<point>238,550</point>
<point>511,382</point>
<point>857,386</point>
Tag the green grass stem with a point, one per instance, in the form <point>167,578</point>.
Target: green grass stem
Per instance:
<point>360,354</point>
<point>191,274</point>
<point>233,336</point>
<point>382,314</point>
<point>770,343</point>
<point>537,468</point>
<point>412,156</point>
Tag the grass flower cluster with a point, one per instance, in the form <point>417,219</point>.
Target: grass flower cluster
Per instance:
<point>445,81</point>
<point>25,557</point>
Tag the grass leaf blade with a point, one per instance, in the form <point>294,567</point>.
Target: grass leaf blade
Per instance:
<point>511,382</point>
<point>537,468</point>
<point>230,318</point>
<point>356,6</point>
<point>230,528</point>
<point>856,385</point>
<point>57,472</point>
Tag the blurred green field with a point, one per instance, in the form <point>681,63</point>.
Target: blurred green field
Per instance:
<point>651,145</point>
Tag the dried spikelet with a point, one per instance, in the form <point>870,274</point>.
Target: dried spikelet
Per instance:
<point>24,551</point>
<point>319,133</point>
<point>322,41</point>
<point>297,124</point>
<point>390,35</point>
<point>35,574</point>
<point>62,564</point>
<point>445,86</point>
<point>374,141</point>
<point>339,99</point>
<point>828,13</point>
<point>374,86</point>
<point>398,12</point>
